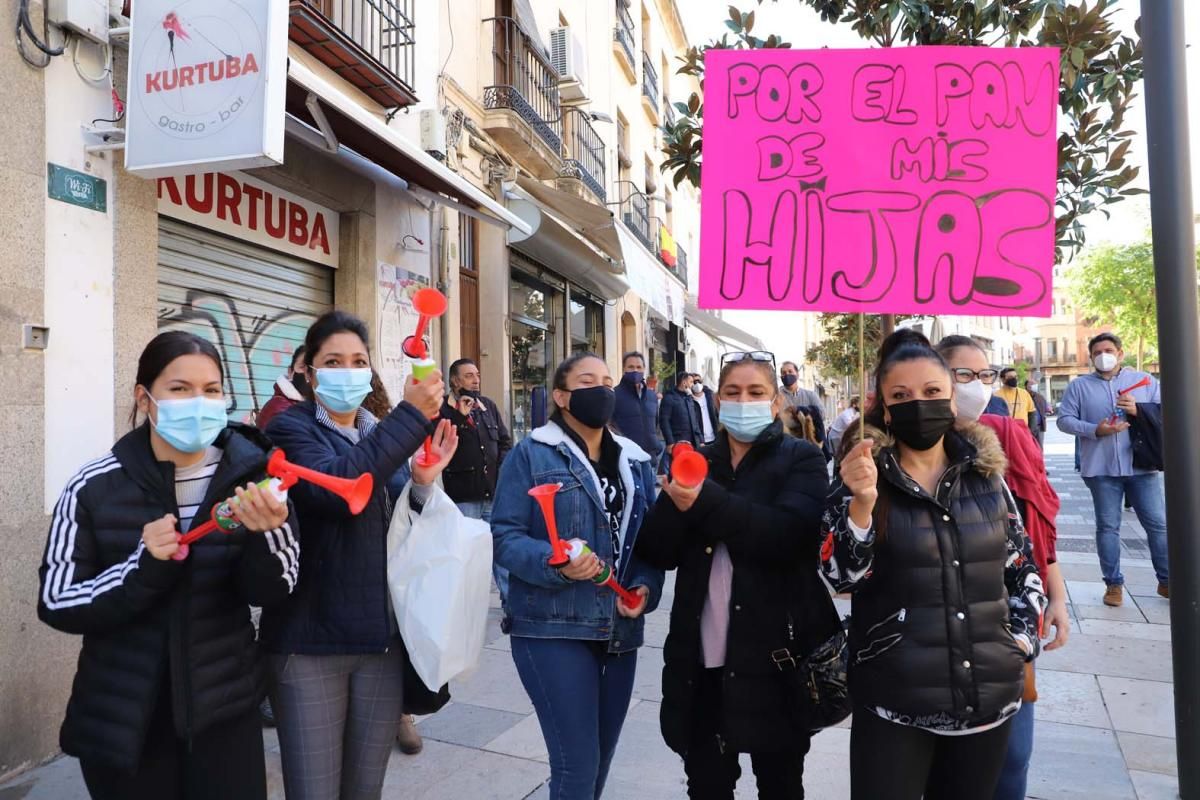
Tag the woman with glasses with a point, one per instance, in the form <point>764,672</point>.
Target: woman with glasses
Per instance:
<point>744,544</point>
<point>1039,504</point>
<point>947,602</point>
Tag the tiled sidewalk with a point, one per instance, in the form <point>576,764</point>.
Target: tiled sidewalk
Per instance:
<point>1104,732</point>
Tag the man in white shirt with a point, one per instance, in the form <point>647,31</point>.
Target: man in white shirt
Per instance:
<point>842,423</point>
<point>708,409</point>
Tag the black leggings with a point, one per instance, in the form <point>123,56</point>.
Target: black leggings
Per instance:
<point>897,762</point>
<point>223,763</point>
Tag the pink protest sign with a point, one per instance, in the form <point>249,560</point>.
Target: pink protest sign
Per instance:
<point>904,180</point>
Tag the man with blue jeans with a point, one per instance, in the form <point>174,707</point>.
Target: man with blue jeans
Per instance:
<point>1096,408</point>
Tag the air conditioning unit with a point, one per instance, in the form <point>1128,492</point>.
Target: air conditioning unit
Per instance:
<point>433,133</point>
<point>570,61</point>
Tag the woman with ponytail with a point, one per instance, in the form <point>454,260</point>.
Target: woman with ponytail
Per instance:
<point>947,602</point>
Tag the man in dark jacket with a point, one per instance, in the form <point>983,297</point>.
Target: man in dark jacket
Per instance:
<point>636,413</point>
<point>706,406</point>
<point>1043,413</point>
<point>679,417</point>
<point>483,442</point>
<point>289,390</point>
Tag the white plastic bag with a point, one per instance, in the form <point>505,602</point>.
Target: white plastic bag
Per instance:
<point>439,568</point>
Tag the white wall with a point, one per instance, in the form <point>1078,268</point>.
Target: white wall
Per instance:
<point>79,286</point>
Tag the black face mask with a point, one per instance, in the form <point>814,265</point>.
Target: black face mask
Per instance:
<point>593,406</point>
<point>301,383</point>
<point>789,380</point>
<point>471,393</point>
<point>1010,383</point>
<point>921,424</point>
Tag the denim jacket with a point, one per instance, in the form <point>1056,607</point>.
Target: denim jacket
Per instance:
<point>541,602</point>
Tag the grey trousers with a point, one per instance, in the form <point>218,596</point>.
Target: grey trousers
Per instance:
<point>337,718</point>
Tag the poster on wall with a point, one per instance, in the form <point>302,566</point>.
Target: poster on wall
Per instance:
<point>900,180</point>
<point>397,320</point>
<point>207,83</point>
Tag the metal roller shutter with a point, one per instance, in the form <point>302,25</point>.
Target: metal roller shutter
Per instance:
<point>254,304</point>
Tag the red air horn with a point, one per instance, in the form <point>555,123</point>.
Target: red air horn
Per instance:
<point>429,303</point>
<point>284,475</point>
<point>1143,382</point>
<point>688,468</point>
<point>562,552</point>
<point>544,495</point>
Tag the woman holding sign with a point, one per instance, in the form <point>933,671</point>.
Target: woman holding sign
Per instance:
<point>947,598</point>
<point>749,601</point>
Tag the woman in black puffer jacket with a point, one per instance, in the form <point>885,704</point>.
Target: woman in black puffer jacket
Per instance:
<point>947,599</point>
<point>165,699</point>
<point>745,545</point>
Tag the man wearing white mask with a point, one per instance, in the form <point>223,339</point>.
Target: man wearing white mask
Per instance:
<point>708,409</point>
<point>1096,408</point>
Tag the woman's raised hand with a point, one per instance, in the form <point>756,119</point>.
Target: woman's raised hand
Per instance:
<point>861,477</point>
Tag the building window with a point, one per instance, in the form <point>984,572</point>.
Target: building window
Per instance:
<point>587,325</point>
<point>468,287</point>
<point>532,308</point>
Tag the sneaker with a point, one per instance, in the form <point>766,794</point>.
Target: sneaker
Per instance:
<point>1114,595</point>
<point>267,713</point>
<point>408,738</point>
<point>1164,591</point>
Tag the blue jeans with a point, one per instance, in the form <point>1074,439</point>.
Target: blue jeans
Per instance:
<point>1146,494</point>
<point>482,509</point>
<point>1015,773</point>
<point>581,695</point>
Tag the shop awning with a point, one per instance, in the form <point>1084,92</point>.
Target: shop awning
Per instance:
<point>721,330</point>
<point>650,280</point>
<point>556,241</point>
<point>595,223</point>
<point>365,132</point>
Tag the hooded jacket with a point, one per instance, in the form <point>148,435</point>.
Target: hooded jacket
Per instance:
<point>945,588</point>
<point>146,621</point>
<point>767,513</point>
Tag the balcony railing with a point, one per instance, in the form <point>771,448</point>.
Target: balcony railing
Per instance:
<point>649,79</point>
<point>635,213</point>
<point>369,43</point>
<point>681,264</point>
<point>669,117</point>
<point>583,151</point>
<point>525,81</point>
<point>623,33</point>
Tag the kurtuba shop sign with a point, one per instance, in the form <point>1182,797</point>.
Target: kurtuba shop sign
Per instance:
<point>207,80</point>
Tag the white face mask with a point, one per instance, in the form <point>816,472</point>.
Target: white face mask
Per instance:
<point>1105,362</point>
<point>972,398</point>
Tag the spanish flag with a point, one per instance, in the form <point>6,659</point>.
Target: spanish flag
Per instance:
<point>666,246</point>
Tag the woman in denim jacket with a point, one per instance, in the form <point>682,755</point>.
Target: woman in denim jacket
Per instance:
<point>574,644</point>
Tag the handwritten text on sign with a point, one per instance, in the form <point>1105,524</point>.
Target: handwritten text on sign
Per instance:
<point>907,180</point>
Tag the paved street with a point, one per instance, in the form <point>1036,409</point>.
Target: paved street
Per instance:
<point>1104,729</point>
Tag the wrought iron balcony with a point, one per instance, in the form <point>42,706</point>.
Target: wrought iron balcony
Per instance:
<point>650,80</point>
<point>525,81</point>
<point>669,116</point>
<point>584,152</point>
<point>681,263</point>
<point>623,33</point>
<point>635,213</point>
<point>369,43</point>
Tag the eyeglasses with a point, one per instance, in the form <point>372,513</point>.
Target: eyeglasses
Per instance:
<point>985,376</point>
<point>753,355</point>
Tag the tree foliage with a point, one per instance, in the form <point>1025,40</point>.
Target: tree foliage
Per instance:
<point>837,354</point>
<point>1100,70</point>
<point>1114,286</point>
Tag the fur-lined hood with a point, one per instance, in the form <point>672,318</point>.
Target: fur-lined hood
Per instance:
<point>979,445</point>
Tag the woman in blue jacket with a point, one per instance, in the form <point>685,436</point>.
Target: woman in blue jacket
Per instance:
<point>574,644</point>
<point>338,659</point>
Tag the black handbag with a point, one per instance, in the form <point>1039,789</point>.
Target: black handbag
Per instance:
<point>817,685</point>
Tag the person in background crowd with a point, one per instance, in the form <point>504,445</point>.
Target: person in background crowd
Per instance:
<point>290,388</point>
<point>574,642</point>
<point>842,423</point>
<point>1039,505</point>
<point>806,400</point>
<point>636,413</point>
<point>156,709</point>
<point>1043,413</point>
<point>679,416</point>
<point>745,545</point>
<point>707,409</point>
<point>1020,404</point>
<point>947,599</point>
<point>1094,410</point>
<point>483,444</point>
<point>338,660</point>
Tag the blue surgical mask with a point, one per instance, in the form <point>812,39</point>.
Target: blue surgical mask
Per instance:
<point>343,390</point>
<point>192,424</point>
<point>745,421</point>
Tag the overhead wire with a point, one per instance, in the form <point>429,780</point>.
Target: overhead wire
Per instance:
<point>25,24</point>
